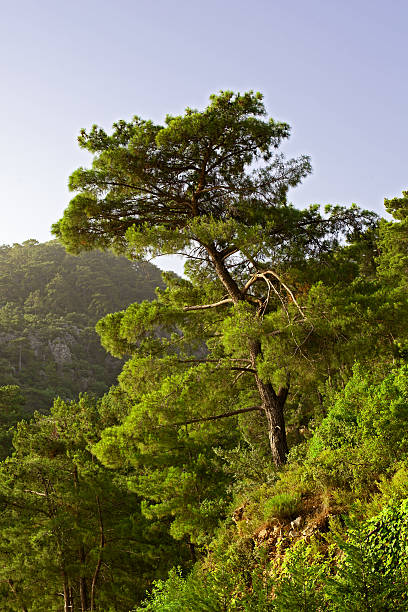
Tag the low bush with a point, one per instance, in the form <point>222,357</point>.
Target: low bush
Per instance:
<point>282,506</point>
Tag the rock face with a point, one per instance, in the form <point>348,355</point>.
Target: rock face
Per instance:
<point>279,533</point>
<point>46,364</point>
<point>35,345</point>
<point>60,351</point>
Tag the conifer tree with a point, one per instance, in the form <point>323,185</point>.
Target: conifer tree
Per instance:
<point>210,185</point>
<point>72,535</point>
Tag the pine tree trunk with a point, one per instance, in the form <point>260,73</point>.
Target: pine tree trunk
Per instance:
<point>273,405</point>
<point>272,402</point>
<point>223,274</point>
<point>71,600</point>
<point>83,588</point>
<point>68,607</point>
<point>102,543</point>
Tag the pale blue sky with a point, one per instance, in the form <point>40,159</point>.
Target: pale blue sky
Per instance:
<point>336,71</point>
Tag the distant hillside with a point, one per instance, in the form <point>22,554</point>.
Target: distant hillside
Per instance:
<point>49,304</point>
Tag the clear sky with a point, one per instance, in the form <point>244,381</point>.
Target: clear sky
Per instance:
<point>335,70</point>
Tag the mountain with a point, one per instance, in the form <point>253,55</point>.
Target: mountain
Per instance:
<point>50,302</point>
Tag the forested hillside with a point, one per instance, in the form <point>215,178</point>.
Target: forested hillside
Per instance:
<point>253,454</point>
<point>49,304</point>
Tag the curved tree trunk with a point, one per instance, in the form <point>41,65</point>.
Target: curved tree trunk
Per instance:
<point>272,402</point>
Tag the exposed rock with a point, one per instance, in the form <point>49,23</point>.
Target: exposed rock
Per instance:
<point>310,529</point>
<point>297,523</point>
<point>60,351</point>
<point>35,345</point>
<point>277,535</point>
<point>263,535</point>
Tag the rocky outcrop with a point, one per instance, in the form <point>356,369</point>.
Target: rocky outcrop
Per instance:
<point>60,351</point>
<point>277,534</point>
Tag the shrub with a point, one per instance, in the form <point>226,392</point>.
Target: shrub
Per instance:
<point>372,574</point>
<point>283,505</point>
<point>301,581</point>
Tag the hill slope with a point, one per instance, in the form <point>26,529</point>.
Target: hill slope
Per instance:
<point>49,304</point>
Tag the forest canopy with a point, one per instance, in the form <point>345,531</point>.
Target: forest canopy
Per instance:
<point>49,304</point>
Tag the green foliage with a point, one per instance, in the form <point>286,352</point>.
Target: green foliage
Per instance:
<point>179,595</point>
<point>393,241</point>
<point>372,575</point>
<point>12,410</point>
<point>301,580</point>
<point>283,506</point>
<point>210,185</point>
<point>175,467</point>
<point>68,523</point>
<point>230,135</point>
<point>248,465</point>
<point>49,304</point>
<point>363,435</point>
<point>394,489</point>
<point>225,587</point>
<point>277,307</point>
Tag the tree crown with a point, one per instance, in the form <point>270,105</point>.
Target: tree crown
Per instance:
<point>213,165</point>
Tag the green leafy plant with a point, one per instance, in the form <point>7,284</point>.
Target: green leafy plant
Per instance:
<point>283,505</point>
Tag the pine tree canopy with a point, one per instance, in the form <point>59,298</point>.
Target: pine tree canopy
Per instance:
<point>211,185</point>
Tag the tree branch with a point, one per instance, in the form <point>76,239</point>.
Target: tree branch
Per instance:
<point>250,282</point>
<point>211,360</point>
<point>205,306</point>
<point>218,416</point>
<point>35,492</point>
<point>287,289</point>
<point>218,362</point>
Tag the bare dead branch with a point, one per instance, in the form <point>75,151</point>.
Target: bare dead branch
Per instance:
<point>35,492</point>
<point>272,286</point>
<point>205,306</point>
<point>287,289</point>
<point>251,281</point>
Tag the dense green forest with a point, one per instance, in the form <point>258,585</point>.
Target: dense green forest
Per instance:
<point>253,453</point>
<point>49,304</point>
